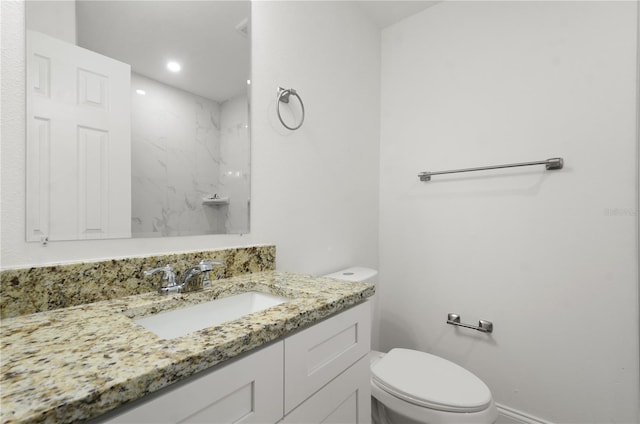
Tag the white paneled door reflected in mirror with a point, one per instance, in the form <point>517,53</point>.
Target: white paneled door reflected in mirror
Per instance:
<point>137,118</point>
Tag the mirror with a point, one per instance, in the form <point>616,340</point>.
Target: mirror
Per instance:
<point>137,118</point>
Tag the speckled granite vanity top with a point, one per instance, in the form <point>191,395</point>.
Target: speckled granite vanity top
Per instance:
<point>76,363</point>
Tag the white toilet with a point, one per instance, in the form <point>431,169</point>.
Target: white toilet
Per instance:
<point>412,387</point>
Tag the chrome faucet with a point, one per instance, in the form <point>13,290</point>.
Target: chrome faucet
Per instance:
<point>169,276</point>
<point>172,286</point>
<point>203,267</point>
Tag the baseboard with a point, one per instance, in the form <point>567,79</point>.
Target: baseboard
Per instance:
<point>508,415</point>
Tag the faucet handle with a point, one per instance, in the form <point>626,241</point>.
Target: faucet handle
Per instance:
<point>206,267</point>
<point>168,275</point>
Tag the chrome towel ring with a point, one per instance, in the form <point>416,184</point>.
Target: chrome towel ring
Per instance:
<point>283,96</point>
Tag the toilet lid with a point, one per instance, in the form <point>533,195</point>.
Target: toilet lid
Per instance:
<point>430,381</point>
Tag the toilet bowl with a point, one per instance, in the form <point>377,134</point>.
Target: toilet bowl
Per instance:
<point>413,387</point>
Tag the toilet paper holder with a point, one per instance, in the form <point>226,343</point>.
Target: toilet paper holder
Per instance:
<point>483,325</point>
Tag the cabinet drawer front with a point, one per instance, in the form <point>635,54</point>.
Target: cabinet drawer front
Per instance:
<point>316,355</point>
<point>347,399</point>
<point>245,391</point>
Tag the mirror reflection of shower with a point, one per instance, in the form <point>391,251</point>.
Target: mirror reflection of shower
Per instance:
<point>187,150</point>
<point>189,124</point>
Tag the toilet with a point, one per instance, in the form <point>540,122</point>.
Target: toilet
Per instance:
<point>413,387</point>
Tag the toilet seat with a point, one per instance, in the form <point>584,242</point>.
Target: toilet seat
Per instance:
<point>430,381</point>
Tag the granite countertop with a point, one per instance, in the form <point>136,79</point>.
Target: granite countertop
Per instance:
<point>77,363</point>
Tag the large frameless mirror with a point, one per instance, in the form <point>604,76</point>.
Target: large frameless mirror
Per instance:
<point>137,118</point>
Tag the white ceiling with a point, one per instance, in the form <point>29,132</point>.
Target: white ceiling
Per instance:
<point>388,12</point>
<point>201,35</point>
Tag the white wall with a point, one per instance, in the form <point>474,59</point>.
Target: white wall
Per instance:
<point>544,255</point>
<point>314,191</point>
<point>55,18</point>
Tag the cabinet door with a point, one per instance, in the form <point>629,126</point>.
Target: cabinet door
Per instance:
<point>314,356</point>
<point>248,390</point>
<point>347,399</point>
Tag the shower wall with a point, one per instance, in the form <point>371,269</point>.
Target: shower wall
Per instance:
<point>175,161</point>
<point>235,163</point>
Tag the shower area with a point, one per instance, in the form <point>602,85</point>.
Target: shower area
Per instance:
<point>190,168</point>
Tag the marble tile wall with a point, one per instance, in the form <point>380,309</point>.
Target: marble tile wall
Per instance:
<point>30,290</point>
<point>175,156</point>
<point>235,167</point>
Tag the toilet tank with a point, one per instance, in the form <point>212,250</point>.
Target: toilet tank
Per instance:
<point>356,273</point>
<point>364,275</point>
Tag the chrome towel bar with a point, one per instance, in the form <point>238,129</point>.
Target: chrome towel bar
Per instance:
<point>550,164</point>
<point>483,325</point>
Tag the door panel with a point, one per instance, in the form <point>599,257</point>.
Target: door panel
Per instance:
<point>78,142</point>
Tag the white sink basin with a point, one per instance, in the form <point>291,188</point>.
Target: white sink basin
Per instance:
<point>176,323</point>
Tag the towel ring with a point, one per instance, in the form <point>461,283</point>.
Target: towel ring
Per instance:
<point>283,96</point>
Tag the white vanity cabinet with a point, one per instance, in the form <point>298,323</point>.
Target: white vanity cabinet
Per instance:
<point>345,399</point>
<point>326,370</point>
<point>317,375</point>
<point>247,390</point>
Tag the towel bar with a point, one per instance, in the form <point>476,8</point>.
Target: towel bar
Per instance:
<point>483,325</point>
<point>550,164</point>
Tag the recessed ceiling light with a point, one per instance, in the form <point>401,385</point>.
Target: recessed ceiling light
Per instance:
<point>141,92</point>
<point>173,66</point>
<point>248,82</point>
